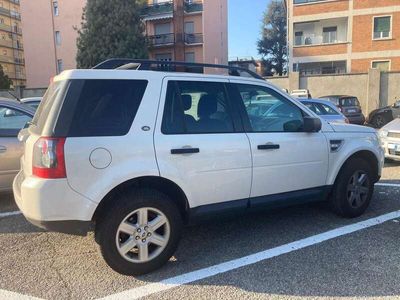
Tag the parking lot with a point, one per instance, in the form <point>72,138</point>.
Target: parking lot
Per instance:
<point>298,252</point>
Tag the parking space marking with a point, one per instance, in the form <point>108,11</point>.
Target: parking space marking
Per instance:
<point>190,277</point>
<point>10,213</point>
<point>388,184</point>
<point>7,295</point>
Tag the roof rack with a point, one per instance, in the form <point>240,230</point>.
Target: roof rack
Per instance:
<point>171,66</point>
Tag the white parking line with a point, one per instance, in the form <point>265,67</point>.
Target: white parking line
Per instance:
<point>6,295</point>
<point>10,213</point>
<point>186,278</point>
<point>387,184</point>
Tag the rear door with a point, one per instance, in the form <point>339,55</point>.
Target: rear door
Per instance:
<point>11,150</point>
<point>285,159</point>
<point>200,143</point>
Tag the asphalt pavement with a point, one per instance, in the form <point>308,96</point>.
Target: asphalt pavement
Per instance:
<point>299,252</point>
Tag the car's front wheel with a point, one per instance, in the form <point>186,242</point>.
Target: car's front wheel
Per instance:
<point>353,189</point>
<point>140,232</point>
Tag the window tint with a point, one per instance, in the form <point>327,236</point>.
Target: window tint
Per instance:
<point>196,107</point>
<point>320,109</point>
<point>12,121</point>
<point>106,107</point>
<point>269,111</point>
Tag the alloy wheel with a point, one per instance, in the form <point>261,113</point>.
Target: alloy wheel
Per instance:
<point>358,189</point>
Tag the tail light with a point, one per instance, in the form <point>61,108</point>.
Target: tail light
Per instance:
<point>48,158</point>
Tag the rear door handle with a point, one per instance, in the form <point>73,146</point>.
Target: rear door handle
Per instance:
<point>3,149</point>
<point>268,147</point>
<point>185,150</point>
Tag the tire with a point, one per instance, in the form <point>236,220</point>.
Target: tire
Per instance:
<point>344,200</point>
<point>119,229</point>
<point>379,121</point>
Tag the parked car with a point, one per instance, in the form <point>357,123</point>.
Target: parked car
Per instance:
<point>302,94</point>
<point>32,101</point>
<point>13,117</point>
<point>381,116</point>
<point>138,154</point>
<point>349,106</point>
<point>326,110</point>
<point>390,136</point>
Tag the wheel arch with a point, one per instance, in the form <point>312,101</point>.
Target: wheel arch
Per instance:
<point>367,155</point>
<point>166,186</point>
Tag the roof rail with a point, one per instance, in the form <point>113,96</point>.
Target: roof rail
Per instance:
<point>171,66</point>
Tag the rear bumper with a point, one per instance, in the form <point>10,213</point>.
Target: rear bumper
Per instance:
<point>53,205</point>
<point>358,119</point>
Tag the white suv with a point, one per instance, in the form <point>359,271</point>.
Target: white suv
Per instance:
<point>141,153</point>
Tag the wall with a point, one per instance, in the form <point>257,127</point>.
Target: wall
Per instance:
<point>374,89</point>
<point>23,93</point>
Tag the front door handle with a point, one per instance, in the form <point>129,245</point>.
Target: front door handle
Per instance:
<point>185,151</point>
<point>268,147</point>
<point>3,149</point>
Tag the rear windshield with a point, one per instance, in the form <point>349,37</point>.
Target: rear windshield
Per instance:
<point>321,109</point>
<point>100,107</point>
<point>350,101</point>
<point>53,95</point>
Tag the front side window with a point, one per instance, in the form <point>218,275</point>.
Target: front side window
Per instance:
<point>268,111</point>
<point>196,108</point>
<point>382,27</point>
<point>12,120</point>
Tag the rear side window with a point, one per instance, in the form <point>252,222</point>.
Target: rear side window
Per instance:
<point>197,108</point>
<point>102,107</point>
<point>351,101</point>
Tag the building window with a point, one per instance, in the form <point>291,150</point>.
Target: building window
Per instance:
<point>382,65</point>
<point>189,57</point>
<point>189,27</point>
<point>382,27</point>
<point>58,38</point>
<point>298,38</point>
<point>55,8</point>
<point>60,66</point>
<point>329,35</point>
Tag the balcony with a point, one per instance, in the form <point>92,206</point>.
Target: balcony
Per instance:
<point>193,38</point>
<point>193,6</point>
<point>332,31</point>
<point>161,40</point>
<point>155,10</point>
<point>15,1</point>
<point>306,1</point>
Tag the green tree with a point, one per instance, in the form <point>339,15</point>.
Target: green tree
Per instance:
<point>110,29</point>
<point>273,43</point>
<point>5,82</point>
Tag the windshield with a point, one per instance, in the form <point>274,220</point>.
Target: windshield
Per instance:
<point>351,101</point>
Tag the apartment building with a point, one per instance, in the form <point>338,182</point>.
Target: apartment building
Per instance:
<point>183,30</point>
<point>187,30</point>
<point>11,45</point>
<point>49,37</point>
<point>343,36</point>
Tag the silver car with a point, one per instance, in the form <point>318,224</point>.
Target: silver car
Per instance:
<point>326,110</point>
<point>390,137</point>
<point>32,101</point>
<point>13,117</point>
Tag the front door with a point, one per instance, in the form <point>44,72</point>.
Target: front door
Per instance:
<point>11,150</point>
<point>200,145</point>
<point>285,159</point>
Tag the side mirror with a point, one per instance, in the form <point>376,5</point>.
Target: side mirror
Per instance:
<point>9,113</point>
<point>312,124</point>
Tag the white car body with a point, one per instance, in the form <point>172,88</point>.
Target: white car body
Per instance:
<point>390,136</point>
<point>228,168</point>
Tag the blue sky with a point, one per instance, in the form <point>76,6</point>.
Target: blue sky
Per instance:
<point>244,27</point>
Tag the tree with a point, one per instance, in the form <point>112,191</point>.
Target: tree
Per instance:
<point>273,43</point>
<point>110,29</point>
<point>5,81</point>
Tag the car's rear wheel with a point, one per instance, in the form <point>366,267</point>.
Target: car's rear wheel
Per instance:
<point>140,232</point>
<point>353,189</point>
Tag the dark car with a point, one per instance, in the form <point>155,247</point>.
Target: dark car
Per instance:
<point>349,106</point>
<point>382,116</point>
